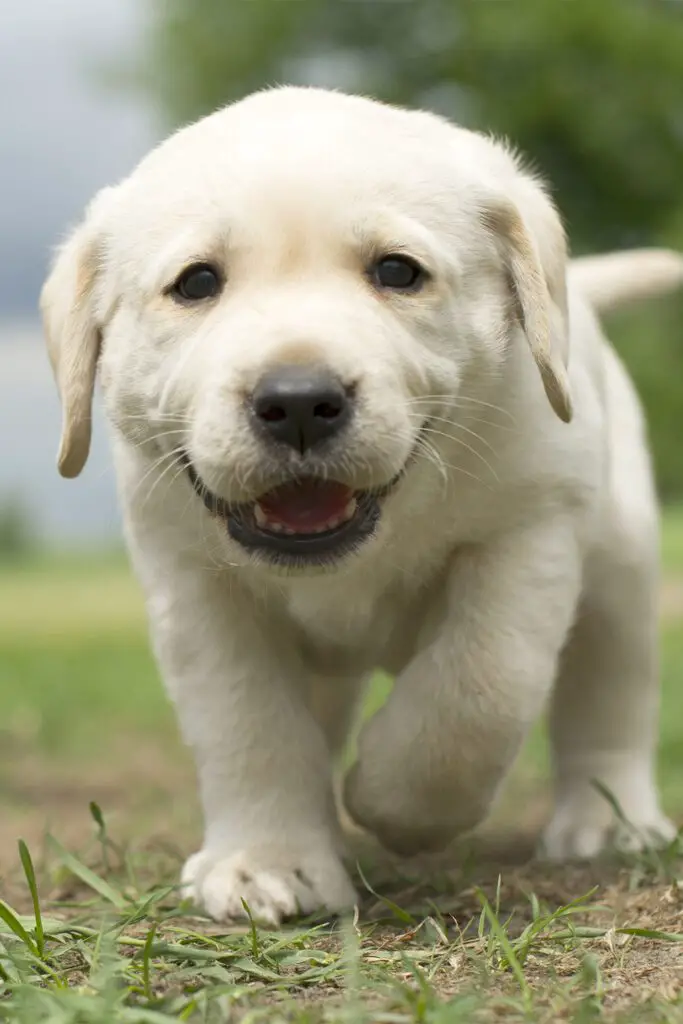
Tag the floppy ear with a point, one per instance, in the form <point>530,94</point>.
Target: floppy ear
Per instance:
<point>67,303</point>
<point>536,267</point>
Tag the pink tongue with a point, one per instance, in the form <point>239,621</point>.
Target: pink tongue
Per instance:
<point>307,505</point>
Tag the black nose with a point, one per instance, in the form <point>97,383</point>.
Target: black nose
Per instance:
<point>301,405</point>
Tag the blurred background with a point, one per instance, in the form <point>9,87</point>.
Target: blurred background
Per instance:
<point>591,92</point>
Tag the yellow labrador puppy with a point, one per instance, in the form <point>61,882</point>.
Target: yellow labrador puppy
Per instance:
<point>363,415</point>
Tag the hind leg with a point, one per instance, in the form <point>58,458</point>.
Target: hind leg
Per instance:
<point>604,713</point>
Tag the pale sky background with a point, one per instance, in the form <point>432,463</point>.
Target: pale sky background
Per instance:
<point>64,134</point>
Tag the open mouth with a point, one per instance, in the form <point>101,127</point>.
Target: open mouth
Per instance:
<point>302,521</point>
<point>305,521</point>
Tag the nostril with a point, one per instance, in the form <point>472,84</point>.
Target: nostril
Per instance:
<point>327,410</point>
<point>272,413</point>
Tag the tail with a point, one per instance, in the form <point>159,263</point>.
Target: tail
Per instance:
<point>617,279</point>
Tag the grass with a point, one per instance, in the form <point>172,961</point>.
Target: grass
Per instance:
<point>116,948</point>
<point>91,928</point>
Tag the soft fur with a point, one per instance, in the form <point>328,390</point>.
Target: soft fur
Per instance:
<point>514,564</point>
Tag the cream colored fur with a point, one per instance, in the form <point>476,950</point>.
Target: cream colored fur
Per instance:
<point>514,565</point>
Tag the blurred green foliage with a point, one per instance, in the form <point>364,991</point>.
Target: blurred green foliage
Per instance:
<point>590,90</point>
<point>17,536</point>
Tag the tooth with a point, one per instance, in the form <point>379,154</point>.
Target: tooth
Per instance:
<point>350,510</point>
<point>260,516</point>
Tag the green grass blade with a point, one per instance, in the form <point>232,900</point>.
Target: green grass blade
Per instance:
<point>16,927</point>
<point>27,865</point>
<point>92,880</point>
<point>147,962</point>
<point>253,933</point>
<point>609,796</point>
<point>651,933</point>
<point>505,945</point>
<point>103,839</point>
<point>398,912</point>
<point>97,816</point>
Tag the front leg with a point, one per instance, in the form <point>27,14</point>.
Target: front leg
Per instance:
<point>430,762</point>
<point>263,762</point>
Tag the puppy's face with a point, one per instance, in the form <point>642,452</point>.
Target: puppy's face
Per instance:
<point>285,296</point>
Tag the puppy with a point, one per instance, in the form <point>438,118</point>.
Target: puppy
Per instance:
<point>363,415</point>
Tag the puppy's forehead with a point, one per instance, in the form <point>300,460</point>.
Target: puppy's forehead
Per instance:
<point>304,153</point>
<point>300,128</point>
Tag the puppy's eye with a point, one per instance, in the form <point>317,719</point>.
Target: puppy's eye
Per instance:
<point>198,282</point>
<point>399,273</point>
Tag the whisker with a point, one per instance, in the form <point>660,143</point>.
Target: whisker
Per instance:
<point>459,400</point>
<point>151,469</point>
<point>468,447</point>
<point>177,464</point>
<point>432,455</point>
<point>157,437</point>
<point>461,426</point>
<point>157,417</point>
<point>458,426</point>
<point>465,472</point>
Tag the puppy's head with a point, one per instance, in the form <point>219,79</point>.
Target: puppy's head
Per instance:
<point>286,297</point>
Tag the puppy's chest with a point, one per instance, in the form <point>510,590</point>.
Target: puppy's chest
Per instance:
<point>353,631</point>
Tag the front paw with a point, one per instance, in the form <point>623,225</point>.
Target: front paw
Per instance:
<point>407,820</point>
<point>274,884</point>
